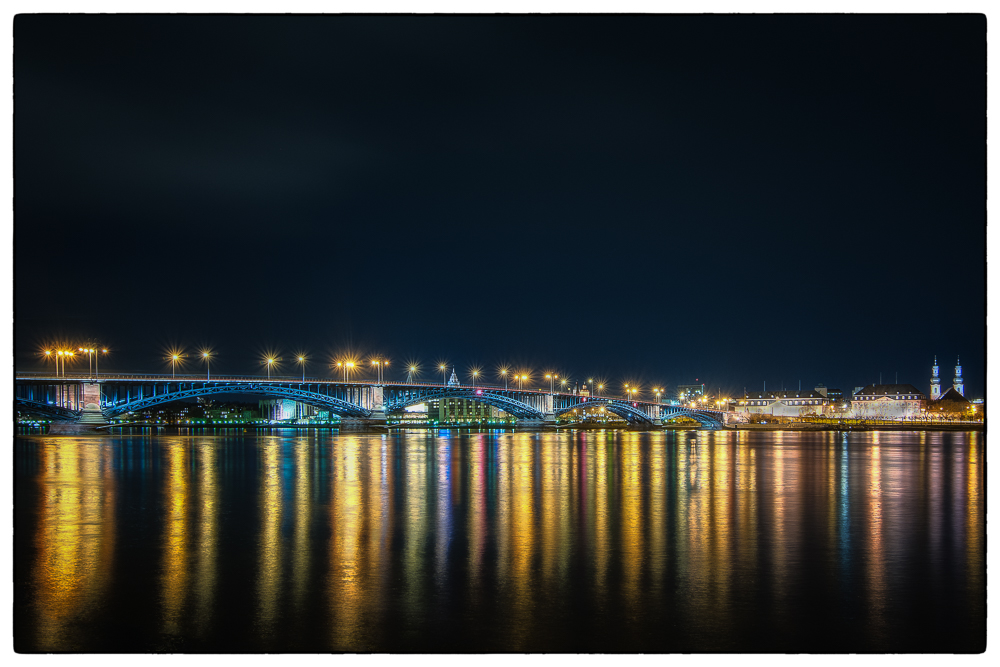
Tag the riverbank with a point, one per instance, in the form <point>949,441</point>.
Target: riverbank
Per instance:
<point>68,429</point>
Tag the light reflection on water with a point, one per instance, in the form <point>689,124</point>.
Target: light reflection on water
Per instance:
<point>449,541</point>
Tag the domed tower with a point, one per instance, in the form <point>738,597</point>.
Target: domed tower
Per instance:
<point>935,381</point>
<point>959,382</point>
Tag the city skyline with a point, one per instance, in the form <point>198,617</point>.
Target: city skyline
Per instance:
<point>742,198</point>
<point>192,363</point>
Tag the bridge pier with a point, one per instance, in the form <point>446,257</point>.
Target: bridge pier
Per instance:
<point>363,424</point>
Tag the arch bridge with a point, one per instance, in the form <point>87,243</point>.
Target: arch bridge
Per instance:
<point>355,402</point>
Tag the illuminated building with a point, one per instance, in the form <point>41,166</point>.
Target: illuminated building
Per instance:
<point>951,403</point>
<point>959,383</point>
<point>887,401</point>
<point>690,392</point>
<point>935,381</point>
<point>464,411</point>
<point>784,403</point>
<point>283,409</point>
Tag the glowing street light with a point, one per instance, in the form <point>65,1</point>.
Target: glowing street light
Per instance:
<point>443,381</point>
<point>269,361</point>
<point>173,365</point>
<point>90,359</point>
<point>503,372</point>
<point>549,376</point>
<point>97,364</point>
<point>302,360</point>
<point>475,374</point>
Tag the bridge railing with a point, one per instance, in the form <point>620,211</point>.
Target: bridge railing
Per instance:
<point>297,379</point>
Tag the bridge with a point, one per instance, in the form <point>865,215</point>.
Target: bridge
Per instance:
<point>358,403</point>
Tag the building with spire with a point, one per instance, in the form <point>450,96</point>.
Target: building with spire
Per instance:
<point>935,380</point>
<point>453,380</point>
<point>959,383</point>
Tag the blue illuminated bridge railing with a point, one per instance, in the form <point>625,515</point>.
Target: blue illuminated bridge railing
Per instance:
<point>117,394</point>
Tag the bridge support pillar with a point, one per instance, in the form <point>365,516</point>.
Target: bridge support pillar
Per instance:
<point>377,420</point>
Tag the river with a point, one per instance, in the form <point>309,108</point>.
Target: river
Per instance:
<point>454,541</point>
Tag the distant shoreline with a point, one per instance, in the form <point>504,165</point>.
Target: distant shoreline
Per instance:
<point>251,428</point>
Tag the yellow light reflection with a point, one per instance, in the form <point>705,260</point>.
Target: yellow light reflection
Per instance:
<point>207,547</point>
<point>269,573</point>
<point>74,538</point>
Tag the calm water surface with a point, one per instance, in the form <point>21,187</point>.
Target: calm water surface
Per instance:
<point>448,541</point>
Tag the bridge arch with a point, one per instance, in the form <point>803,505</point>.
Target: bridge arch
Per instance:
<point>335,405</point>
<point>623,409</point>
<point>519,409</point>
<point>46,410</point>
<point>704,418</point>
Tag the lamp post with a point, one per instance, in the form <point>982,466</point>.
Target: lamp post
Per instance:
<point>270,360</point>
<point>207,356</point>
<point>600,387</point>
<point>302,360</point>
<point>97,363</point>
<point>48,355</point>
<point>474,375</point>
<point>502,372</point>
<point>443,381</point>
<point>549,376</point>
<point>90,360</point>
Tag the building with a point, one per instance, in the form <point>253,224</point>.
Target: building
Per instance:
<point>283,409</point>
<point>887,401</point>
<point>952,404</point>
<point>959,383</point>
<point>690,392</point>
<point>464,411</point>
<point>935,381</point>
<point>800,403</point>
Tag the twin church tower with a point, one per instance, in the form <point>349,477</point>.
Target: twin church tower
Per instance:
<point>959,383</point>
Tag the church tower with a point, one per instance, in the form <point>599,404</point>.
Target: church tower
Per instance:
<point>959,382</point>
<point>935,381</point>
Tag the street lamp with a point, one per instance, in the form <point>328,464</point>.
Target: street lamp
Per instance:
<point>173,364</point>
<point>443,382</point>
<point>474,375</point>
<point>269,361</point>
<point>503,372</point>
<point>600,387</point>
<point>207,356</point>
<point>97,364</point>
<point>564,384</point>
<point>549,376</point>
<point>302,360</point>
<point>90,360</point>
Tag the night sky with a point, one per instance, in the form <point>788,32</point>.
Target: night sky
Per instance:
<point>651,199</point>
